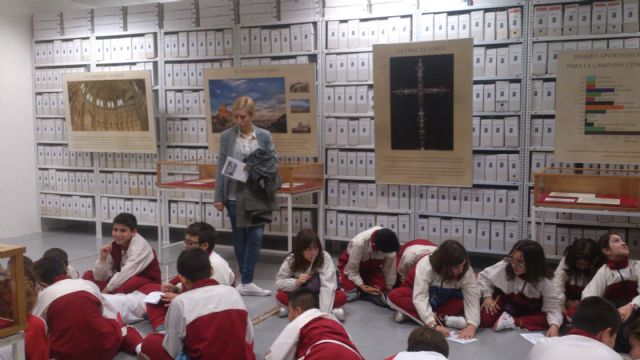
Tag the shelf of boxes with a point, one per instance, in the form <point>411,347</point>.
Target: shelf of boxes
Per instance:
<point>367,210</point>
<point>431,6</point>
<point>559,26</point>
<point>497,129</point>
<point>71,218</point>
<point>345,224</point>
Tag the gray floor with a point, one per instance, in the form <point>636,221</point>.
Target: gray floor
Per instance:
<point>372,328</point>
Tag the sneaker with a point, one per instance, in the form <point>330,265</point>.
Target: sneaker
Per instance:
<point>252,290</point>
<point>505,321</point>
<point>399,317</point>
<point>283,312</point>
<point>457,322</point>
<point>338,313</point>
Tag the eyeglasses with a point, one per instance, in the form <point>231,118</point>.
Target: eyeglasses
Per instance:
<point>514,262</point>
<point>188,242</point>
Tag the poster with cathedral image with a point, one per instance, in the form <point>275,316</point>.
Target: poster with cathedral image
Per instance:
<point>285,97</point>
<point>423,125</point>
<point>110,111</point>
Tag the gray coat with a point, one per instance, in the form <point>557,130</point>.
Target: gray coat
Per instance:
<point>227,145</point>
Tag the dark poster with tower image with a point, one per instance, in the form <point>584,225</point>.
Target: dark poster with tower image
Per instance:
<point>421,100</point>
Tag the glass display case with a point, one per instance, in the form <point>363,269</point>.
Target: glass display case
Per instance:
<point>13,309</point>
<point>583,188</point>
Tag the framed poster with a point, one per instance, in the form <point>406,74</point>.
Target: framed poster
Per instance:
<point>110,112</point>
<point>285,97</point>
<point>597,106</point>
<point>423,112</point>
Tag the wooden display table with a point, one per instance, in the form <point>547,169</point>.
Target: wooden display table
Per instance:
<point>198,178</point>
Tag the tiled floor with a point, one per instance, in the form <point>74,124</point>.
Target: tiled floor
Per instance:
<point>372,328</point>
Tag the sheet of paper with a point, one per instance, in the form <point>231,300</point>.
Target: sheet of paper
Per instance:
<point>575,195</point>
<point>533,337</point>
<point>153,297</point>
<point>286,185</point>
<point>453,336</point>
<point>557,199</point>
<point>599,201</point>
<point>235,169</point>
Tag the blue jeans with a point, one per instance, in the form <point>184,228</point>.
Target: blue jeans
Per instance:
<point>246,244</point>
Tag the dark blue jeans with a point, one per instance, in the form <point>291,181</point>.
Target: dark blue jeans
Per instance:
<point>246,244</point>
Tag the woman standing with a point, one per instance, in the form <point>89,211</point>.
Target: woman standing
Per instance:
<point>247,223</point>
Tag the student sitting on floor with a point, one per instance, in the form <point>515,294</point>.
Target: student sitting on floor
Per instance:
<point>518,292</point>
<point>409,254</point>
<point>311,334</point>
<point>197,235</point>
<point>74,310</point>
<point>368,265</point>
<point>62,255</point>
<point>205,320</point>
<point>617,281</point>
<point>442,284</point>
<point>311,267</point>
<point>128,262</point>
<point>592,335</point>
<point>634,339</point>
<point>424,344</point>
<point>580,262</point>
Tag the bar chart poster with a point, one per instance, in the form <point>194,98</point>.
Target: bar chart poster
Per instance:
<point>598,106</point>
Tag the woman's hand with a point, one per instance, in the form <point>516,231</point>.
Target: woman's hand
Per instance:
<point>219,205</point>
<point>490,305</point>
<point>442,330</point>
<point>468,332</point>
<point>553,331</point>
<point>302,279</point>
<point>369,290</point>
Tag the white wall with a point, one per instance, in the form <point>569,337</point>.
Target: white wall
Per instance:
<point>18,200</point>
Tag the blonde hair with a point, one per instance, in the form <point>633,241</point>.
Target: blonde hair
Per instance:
<point>244,102</point>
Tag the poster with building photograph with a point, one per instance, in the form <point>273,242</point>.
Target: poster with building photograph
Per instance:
<point>598,104</point>
<point>285,97</point>
<point>110,112</point>
<point>423,112</point>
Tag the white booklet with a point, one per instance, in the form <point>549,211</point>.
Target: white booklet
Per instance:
<point>599,201</point>
<point>235,169</point>
<point>533,337</point>
<point>153,297</point>
<point>453,336</point>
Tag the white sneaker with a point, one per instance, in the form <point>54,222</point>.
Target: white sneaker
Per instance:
<point>338,313</point>
<point>505,321</point>
<point>252,290</point>
<point>457,322</point>
<point>399,317</point>
<point>283,312</point>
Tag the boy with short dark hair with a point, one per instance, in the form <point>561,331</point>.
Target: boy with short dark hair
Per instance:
<point>205,320</point>
<point>368,265</point>
<point>311,333</point>
<point>128,262</point>
<point>62,256</point>
<point>592,336</point>
<point>197,235</point>
<point>424,344</point>
<point>78,323</point>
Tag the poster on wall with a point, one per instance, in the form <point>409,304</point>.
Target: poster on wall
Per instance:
<point>598,106</point>
<point>423,112</point>
<point>285,97</point>
<point>110,112</point>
